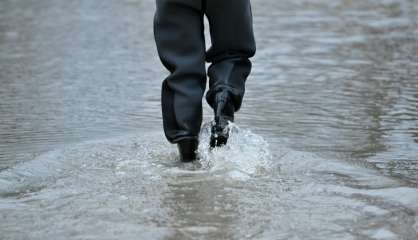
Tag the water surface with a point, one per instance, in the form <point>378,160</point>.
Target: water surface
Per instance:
<point>325,146</point>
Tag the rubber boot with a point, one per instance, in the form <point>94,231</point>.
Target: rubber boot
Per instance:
<point>224,113</point>
<point>187,149</point>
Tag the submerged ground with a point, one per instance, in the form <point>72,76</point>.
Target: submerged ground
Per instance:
<point>325,145</point>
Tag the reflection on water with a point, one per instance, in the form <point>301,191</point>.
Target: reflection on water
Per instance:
<point>326,147</point>
<point>340,79</point>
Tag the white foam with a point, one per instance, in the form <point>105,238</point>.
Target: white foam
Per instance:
<point>246,154</point>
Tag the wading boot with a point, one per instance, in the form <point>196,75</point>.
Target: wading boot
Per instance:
<point>187,149</point>
<point>224,113</point>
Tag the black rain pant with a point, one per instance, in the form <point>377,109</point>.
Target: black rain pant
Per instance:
<point>179,35</point>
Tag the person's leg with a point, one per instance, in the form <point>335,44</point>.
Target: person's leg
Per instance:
<point>179,35</point>
<point>233,43</point>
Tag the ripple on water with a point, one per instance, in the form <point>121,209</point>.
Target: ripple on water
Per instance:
<point>127,187</point>
<point>123,179</point>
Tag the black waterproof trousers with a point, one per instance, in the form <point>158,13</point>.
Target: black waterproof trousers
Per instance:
<point>179,35</point>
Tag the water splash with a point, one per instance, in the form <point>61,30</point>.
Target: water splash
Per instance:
<point>246,154</point>
<point>93,185</point>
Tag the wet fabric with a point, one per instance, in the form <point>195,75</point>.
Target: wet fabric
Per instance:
<point>179,36</point>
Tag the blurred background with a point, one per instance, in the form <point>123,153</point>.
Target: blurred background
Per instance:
<point>337,80</point>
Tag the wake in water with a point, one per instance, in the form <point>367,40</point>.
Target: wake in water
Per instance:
<point>245,155</point>
<point>134,187</point>
<point>120,187</point>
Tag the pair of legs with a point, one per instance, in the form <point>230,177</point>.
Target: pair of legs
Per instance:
<point>179,35</point>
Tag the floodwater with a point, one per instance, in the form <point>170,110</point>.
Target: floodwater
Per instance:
<point>325,146</point>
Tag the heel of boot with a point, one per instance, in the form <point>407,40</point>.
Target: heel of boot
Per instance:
<point>224,113</point>
<point>187,149</point>
<point>219,134</point>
